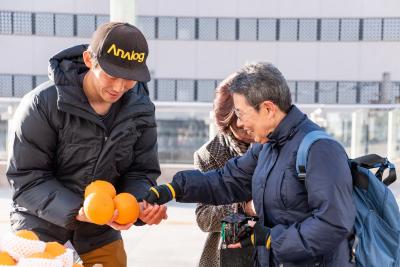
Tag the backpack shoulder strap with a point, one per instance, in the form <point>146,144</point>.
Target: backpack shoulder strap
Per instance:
<point>305,145</point>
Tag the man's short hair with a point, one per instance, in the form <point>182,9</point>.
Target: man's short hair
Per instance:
<point>259,82</point>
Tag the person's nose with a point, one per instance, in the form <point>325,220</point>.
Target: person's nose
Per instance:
<point>239,123</point>
<point>119,85</point>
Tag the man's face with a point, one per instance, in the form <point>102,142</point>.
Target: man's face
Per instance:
<point>255,122</point>
<point>109,88</point>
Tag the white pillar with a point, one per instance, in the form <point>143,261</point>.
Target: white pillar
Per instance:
<point>212,130</point>
<point>393,145</point>
<point>123,11</point>
<point>357,127</point>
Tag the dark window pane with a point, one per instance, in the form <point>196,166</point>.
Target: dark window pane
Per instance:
<point>44,24</point>
<point>369,92</point>
<point>288,30</point>
<point>166,28</point>
<point>186,28</point>
<point>248,29</point>
<point>267,29</point>
<point>207,29</point>
<point>329,30</point>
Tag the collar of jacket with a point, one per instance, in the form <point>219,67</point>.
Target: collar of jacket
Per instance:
<point>287,127</point>
<point>65,69</point>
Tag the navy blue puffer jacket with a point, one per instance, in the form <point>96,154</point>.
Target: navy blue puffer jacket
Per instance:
<point>310,222</point>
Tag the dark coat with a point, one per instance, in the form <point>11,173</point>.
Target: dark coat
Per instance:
<point>60,146</point>
<point>310,222</point>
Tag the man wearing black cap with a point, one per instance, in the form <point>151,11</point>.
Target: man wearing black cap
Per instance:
<point>92,120</point>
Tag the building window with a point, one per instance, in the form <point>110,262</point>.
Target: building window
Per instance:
<point>372,29</point>
<point>64,25</point>
<point>226,29</point>
<point>86,25</point>
<point>248,29</point>
<point>369,92</point>
<point>22,23</point>
<point>22,85</point>
<point>166,28</point>
<point>101,19</point>
<point>207,29</point>
<point>347,92</point>
<point>391,31</point>
<point>306,92</point>
<point>41,79</point>
<point>307,29</point>
<point>6,85</point>
<point>166,90</point>
<point>350,30</point>
<point>330,30</point>
<point>327,92</point>
<point>288,29</point>
<point>206,90</point>
<point>151,88</point>
<point>185,90</point>
<point>267,29</point>
<point>147,26</point>
<point>5,22</point>
<point>292,88</point>
<point>186,28</point>
<point>44,24</point>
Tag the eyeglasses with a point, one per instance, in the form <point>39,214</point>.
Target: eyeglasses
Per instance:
<point>241,115</point>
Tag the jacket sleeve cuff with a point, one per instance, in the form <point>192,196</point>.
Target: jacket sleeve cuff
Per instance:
<point>262,235</point>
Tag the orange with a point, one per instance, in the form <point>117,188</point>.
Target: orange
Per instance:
<point>42,255</point>
<point>99,208</point>
<point>77,265</point>
<point>100,186</point>
<point>6,259</point>
<point>27,234</point>
<point>128,208</point>
<point>55,249</point>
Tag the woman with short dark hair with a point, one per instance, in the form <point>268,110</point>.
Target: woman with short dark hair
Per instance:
<point>230,141</point>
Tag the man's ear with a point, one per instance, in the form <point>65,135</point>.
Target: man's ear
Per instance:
<point>87,59</point>
<point>268,106</point>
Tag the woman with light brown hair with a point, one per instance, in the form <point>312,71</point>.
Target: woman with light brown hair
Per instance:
<point>230,141</point>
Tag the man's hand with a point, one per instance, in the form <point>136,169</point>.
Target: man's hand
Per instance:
<point>249,208</point>
<point>160,194</point>
<point>152,214</point>
<point>82,217</point>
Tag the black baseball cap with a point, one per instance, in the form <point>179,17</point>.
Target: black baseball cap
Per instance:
<point>121,50</point>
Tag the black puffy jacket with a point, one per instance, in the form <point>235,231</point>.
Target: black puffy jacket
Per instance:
<point>60,146</point>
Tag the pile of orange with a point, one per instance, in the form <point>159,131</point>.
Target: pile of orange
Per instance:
<point>6,259</point>
<point>101,201</point>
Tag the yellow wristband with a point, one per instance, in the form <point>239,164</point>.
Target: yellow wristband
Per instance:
<point>172,190</point>
<point>268,245</point>
<point>155,191</point>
